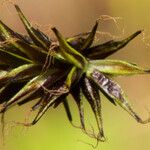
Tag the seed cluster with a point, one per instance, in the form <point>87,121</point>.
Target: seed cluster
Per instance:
<point>36,68</point>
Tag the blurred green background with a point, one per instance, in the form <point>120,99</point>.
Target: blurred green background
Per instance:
<point>72,17</point>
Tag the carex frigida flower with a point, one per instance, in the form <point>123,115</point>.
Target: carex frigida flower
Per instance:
<point>37,68</point>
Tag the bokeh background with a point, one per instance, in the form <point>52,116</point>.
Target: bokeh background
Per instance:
<point>72,17</point>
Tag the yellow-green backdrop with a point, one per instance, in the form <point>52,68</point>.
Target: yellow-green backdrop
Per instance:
<point>54,132</point>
